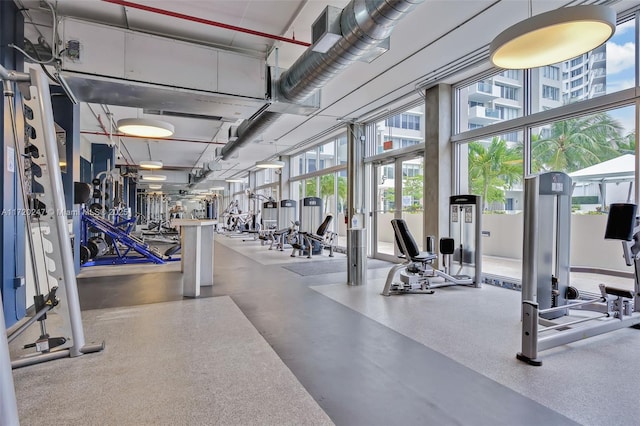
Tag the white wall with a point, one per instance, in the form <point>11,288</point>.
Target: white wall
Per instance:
<point>590,249</point>
<point>414,222</point>
<point>505,233</point>
<point>588,246</point>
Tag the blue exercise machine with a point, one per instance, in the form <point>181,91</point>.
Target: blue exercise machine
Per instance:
<point>116,245</point>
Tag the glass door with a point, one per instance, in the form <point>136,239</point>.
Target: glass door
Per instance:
<point>404,176</point>
<point>384,210</point>
<point>412,181</point>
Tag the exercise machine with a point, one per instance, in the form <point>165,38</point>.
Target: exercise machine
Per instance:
<point>288,225</point>
<point>269,221</point>
<point>310,221</point>
<point>47,227</point>
<point>322,238</point>
<point>463,249</point>
<point>462,255</point>
<point>115,242</point>
<point>235,222</point>
<point>553,312</point>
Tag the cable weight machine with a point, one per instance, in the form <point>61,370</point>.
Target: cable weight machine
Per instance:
<point>48,235</point>
<point>553,312</point>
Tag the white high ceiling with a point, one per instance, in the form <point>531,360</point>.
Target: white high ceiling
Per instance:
<point>432,38</point>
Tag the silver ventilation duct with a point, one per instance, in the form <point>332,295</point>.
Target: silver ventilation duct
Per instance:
<point>249,130</point>
<point>364,25</point>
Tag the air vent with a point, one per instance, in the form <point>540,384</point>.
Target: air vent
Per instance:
<point>325,31</point>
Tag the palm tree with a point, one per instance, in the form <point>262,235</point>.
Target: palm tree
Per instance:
<point>327,189</point>
<point>492,169</point>
<point>577,143</point>
<point>627,144</point>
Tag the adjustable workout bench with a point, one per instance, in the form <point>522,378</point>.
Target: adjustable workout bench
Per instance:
<point>416,273</point>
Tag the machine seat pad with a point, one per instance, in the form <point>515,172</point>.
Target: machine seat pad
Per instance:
<point>424,256</point>
<point>628,294</point>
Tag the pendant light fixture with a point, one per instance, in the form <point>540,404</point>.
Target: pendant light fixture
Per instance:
<point>553,37</point>
<point>271,164</point>
<point>153,177</point>
<point>145,127</point>
<point>152,165</point>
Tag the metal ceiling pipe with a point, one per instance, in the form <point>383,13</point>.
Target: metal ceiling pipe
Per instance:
<point>364,24</point>
<point>247,132</point>
<point>165,12</point>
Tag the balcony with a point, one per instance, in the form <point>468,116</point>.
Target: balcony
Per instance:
<point>482,92</point>
<point>483,115</point>
<point>598,57</point>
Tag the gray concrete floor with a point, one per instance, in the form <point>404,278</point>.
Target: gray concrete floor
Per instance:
<point>363,359</point>
<point>195,362</point>
<point>481,329</point>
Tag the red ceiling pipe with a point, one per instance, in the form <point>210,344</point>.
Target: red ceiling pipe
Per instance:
<point>122,135</point>
<point>205,21</point>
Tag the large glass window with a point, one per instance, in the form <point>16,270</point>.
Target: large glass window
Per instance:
<point>327,153</point>
<point>491,100</point>
<point>310,188</point>
<point>494,170</point>
<point>598,152</point>
<point>342,150</point>
<point>578,144</point>
<point>400,130</point>
<point>607,69</point>
<point>297,165</point>
<point>330,187</point>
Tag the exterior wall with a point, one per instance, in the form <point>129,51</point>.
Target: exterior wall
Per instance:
<point>498,235</point>
<point>414,222</point>
<point>588,246</point>
<point>590,249</point>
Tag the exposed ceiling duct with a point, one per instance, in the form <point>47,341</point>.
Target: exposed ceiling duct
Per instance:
<point>249,130</point>
<point>364,24</point>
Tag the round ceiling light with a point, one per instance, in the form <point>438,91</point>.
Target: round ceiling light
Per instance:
<point>154,186</point>
<point>145,127</point>
<point>151,164</point>
<point>553,37</point>
<point>154,178</point>
<point>273,164</point>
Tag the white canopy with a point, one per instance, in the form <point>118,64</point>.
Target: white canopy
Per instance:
<point>615,170</point>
